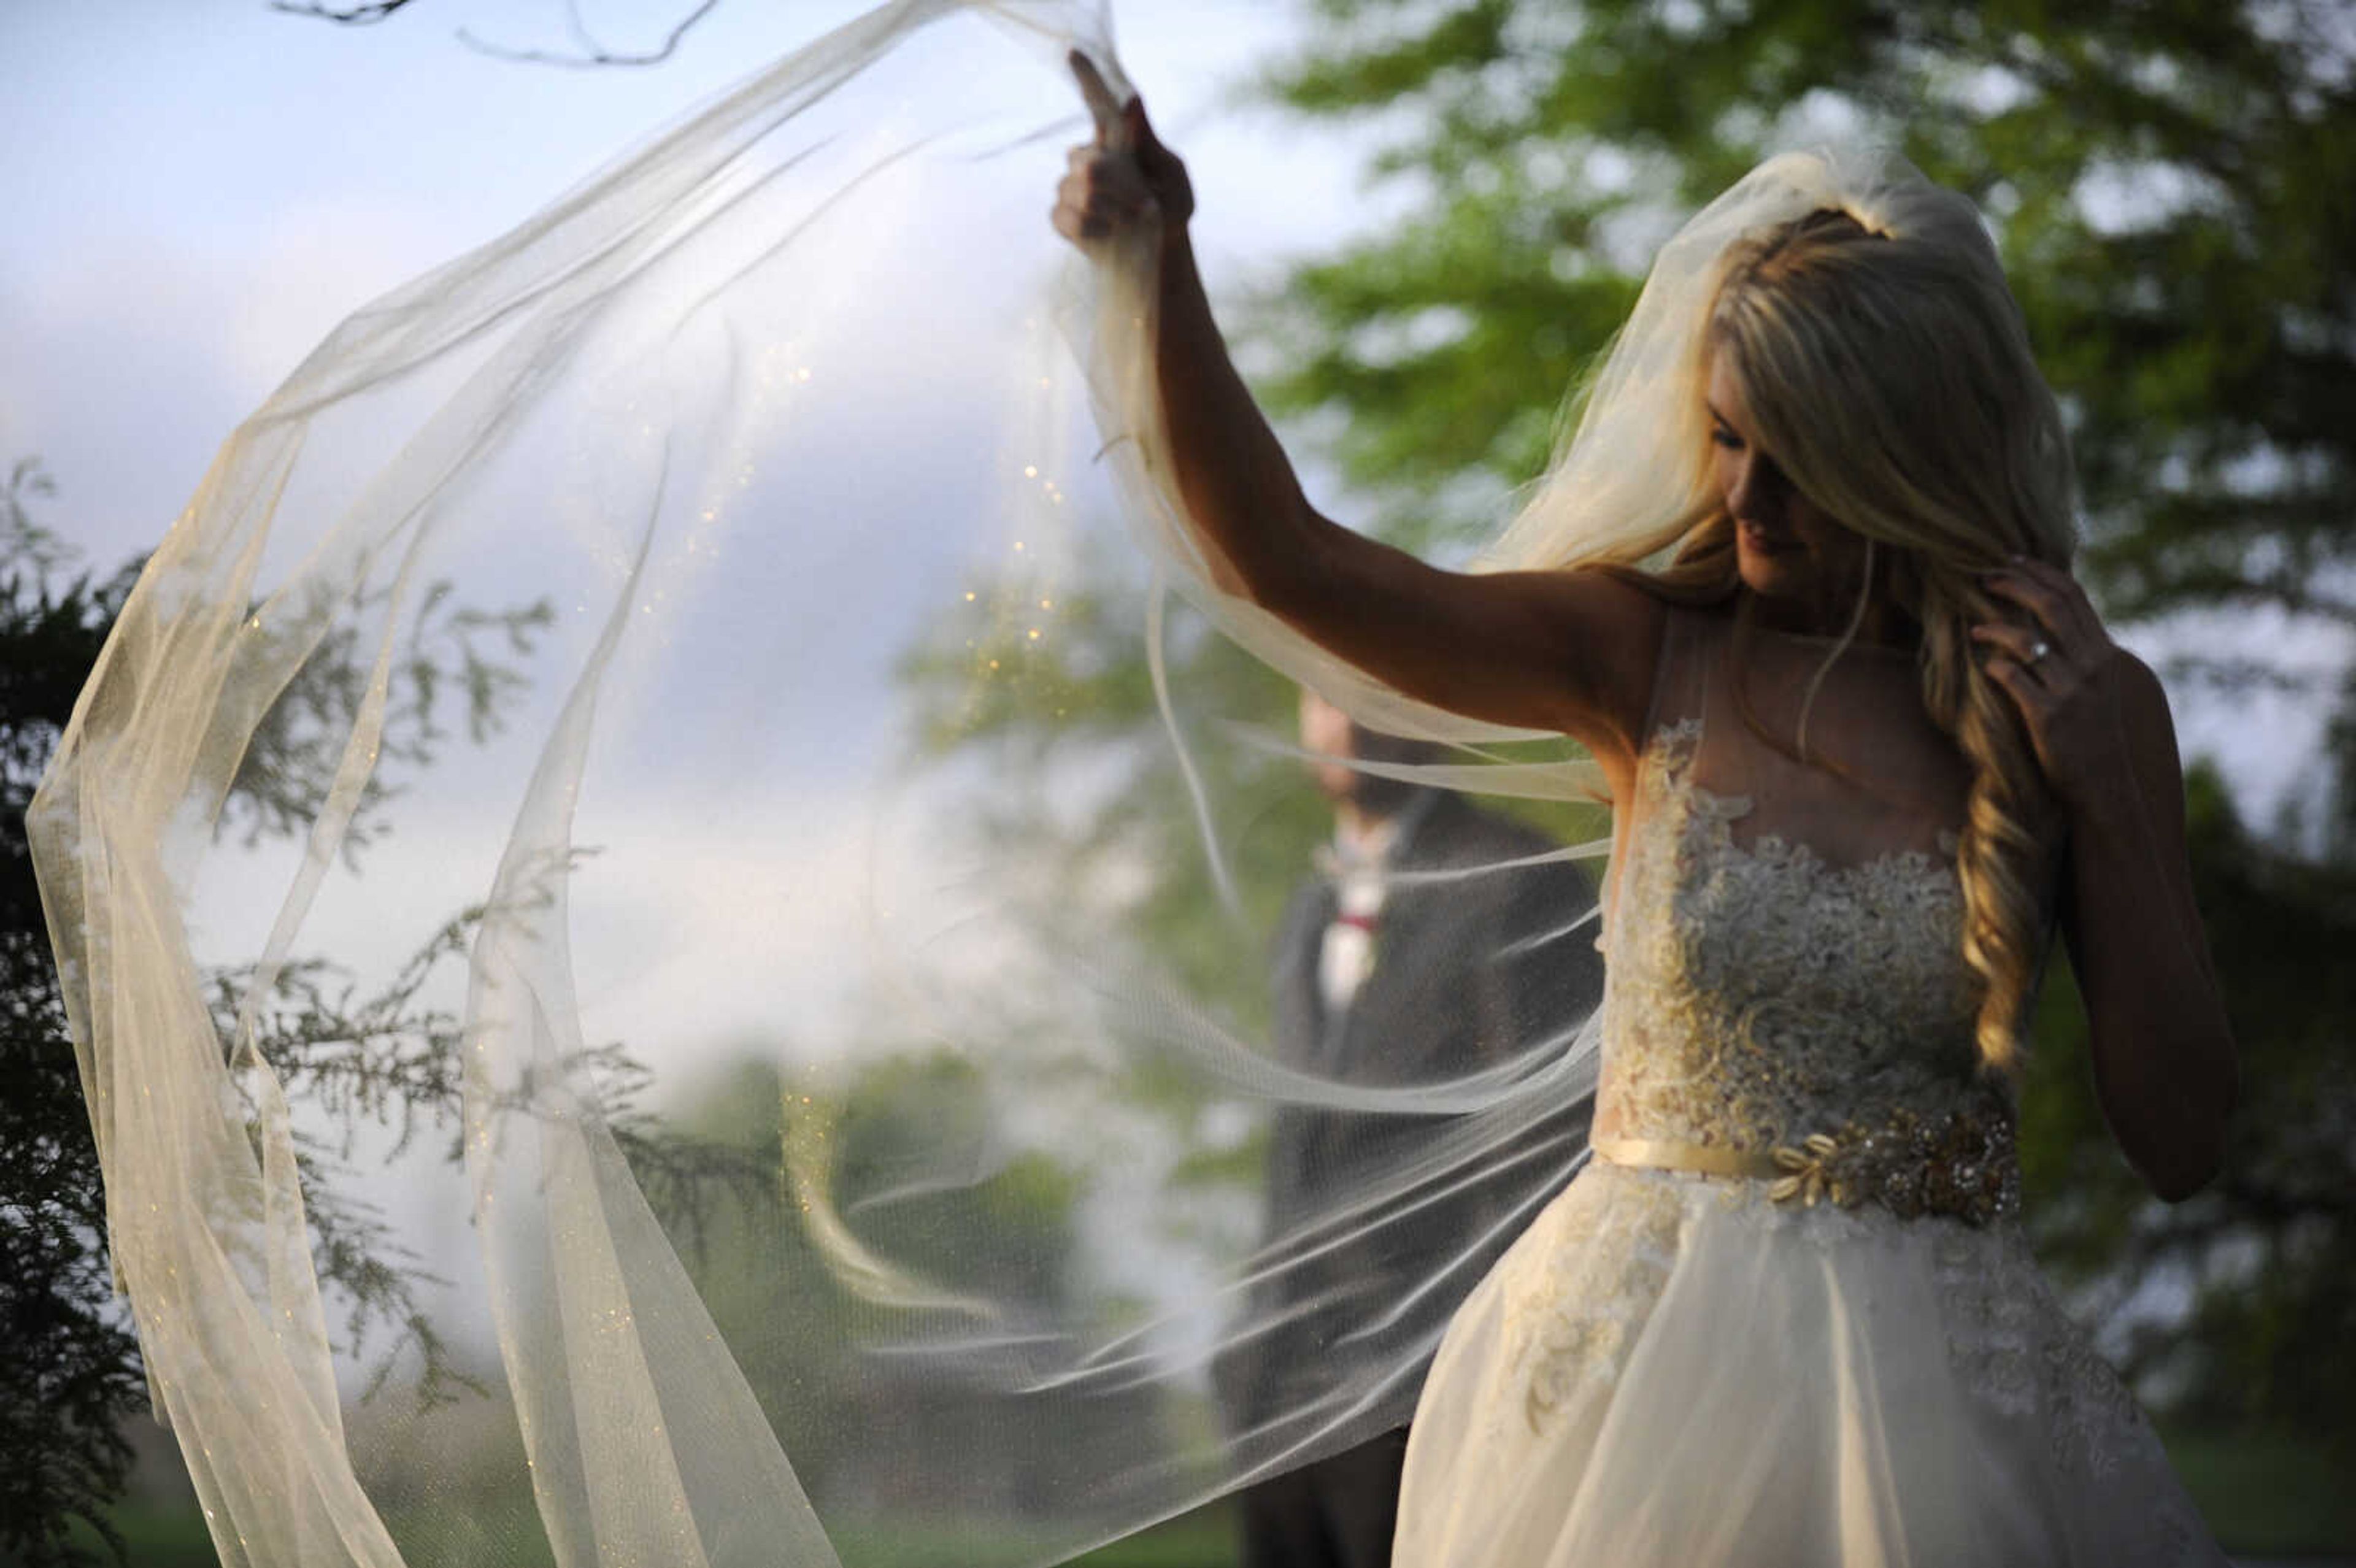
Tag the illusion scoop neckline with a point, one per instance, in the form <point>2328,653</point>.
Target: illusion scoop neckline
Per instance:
<point>1817,639</point>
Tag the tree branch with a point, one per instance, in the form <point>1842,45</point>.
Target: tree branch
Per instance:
<point>361,15</point>
<point>592,52</point>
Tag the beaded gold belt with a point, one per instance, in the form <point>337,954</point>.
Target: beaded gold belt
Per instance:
<point>1960,1166</point>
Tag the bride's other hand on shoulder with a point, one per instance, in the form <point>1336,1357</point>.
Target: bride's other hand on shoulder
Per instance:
<point>2097,719</point>
<point>2082,697</point>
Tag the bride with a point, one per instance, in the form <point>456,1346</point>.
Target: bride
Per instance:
<point>1872,749</point>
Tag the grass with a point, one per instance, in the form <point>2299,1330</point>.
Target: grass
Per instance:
<point>156,1537</point>
<point>1202,1539</point>
<point>2264,1496</point>
<point>167,1537</point>
<point>2269,1497</point>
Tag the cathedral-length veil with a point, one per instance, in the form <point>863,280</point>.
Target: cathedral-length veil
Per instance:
<point>853,1125</point>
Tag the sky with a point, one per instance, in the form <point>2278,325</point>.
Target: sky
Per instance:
<point>197,191</point>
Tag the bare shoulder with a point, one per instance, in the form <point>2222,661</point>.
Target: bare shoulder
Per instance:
<point>2150,725</point>
<point>2154,767</point>
<point>2140,681</point>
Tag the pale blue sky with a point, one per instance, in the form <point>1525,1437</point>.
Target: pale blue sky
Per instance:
<point>196,191</point>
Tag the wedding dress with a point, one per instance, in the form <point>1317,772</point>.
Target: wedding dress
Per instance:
<point>1786,1315</point>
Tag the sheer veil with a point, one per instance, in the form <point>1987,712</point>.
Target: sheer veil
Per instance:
<point>863,1111</point>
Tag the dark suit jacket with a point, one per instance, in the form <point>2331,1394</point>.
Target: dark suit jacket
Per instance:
<point>1443,999</point>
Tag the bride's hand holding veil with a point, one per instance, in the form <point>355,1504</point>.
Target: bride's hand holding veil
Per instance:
<point>1125,176</point>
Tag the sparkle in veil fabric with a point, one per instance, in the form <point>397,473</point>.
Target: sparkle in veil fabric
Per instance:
<point>774,424</point>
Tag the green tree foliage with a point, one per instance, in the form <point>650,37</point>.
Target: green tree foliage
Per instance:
<point>883,1209</point>
<point>1081,701</point>
<point>1077,709</point>
<point>70,1370</point>
<point>2256,1277</point>
<point>386,1056</point>
<point>2274,1325</point>
<point>2174,190</point>
<point>2173,185</point>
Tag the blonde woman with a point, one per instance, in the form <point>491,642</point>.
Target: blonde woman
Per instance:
<point>1800,583</point>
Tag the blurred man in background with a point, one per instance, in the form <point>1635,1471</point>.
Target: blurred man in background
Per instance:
<point>1386,976</point>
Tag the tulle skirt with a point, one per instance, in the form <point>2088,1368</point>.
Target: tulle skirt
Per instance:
<point>1670,1370</point>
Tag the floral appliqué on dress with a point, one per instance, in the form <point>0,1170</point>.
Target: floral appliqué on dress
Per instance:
<point>1763,1000</point>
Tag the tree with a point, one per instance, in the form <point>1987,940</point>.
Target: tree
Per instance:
<point>810,1278</point>
<point>2174,190</point>
<point>385,1056</point>
<point>72,1374</point>
<point>2172,185</point>
<point>2265,1258</point>
<point>71,1369</point>
<point>584,46</point>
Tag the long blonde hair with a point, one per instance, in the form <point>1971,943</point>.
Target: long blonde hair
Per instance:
<point>1887,369</point>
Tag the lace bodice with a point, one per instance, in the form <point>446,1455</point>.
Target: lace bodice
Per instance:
<point>1765,1002</point>
<point>1788,1284</point>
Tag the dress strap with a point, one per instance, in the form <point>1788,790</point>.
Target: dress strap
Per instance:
<point>1680,672</point>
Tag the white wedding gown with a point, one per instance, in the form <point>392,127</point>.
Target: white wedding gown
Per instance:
<point>1852,1359</point>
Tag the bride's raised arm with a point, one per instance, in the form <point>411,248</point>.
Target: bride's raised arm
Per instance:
<point>1566,651</point>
